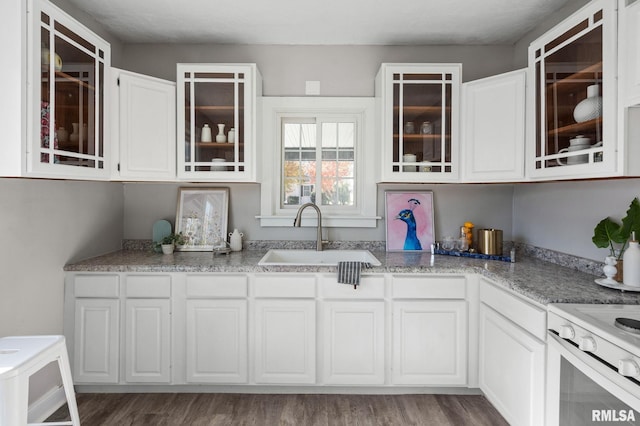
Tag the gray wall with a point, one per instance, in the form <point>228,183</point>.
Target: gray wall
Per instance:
<point>561,215</point>
<point>341,70</point>
<point>487,206</point>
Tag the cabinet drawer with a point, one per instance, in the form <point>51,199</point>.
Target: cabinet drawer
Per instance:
<point>217,286</point>
<point>285,285</point>
<point>105,286</point>
<point>428,287</point>
<point>156,286</point>
<point>371,287</point>
<point>528,316</point>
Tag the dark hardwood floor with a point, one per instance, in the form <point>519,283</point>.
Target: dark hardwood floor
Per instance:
<point>160,409</point>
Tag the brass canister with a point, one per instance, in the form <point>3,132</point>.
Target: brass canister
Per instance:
<point>490,241</point>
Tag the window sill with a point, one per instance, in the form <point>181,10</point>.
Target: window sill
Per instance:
<point>328,221</point>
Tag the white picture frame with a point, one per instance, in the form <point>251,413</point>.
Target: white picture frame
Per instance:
<point>202,218</point>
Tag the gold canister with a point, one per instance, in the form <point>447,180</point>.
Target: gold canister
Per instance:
<point>490,241</point>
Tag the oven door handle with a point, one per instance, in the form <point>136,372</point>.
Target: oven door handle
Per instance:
<point>623,388</point>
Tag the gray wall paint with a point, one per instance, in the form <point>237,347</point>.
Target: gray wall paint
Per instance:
<point>561,215</point>
<point>47,224</point>
<point>488,206</point>
<point>341,70</point>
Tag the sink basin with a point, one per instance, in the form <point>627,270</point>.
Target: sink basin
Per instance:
<point>316,258</point>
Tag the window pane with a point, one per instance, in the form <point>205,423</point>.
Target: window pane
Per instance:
<point>300,181</point>
<point>337,176</point>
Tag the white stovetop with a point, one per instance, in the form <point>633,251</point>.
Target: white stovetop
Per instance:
<point>600,319</point>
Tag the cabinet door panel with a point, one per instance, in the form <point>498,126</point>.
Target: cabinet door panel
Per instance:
<point>96,349</point>
<point>147,343</point>
<point>430,342</point>
<point>146,120</point>
<point>511,369</point>
<point>354,343</point>
<point>285,341</point>
<point>420,115</point>
<point>67,117</point>
<point>216,341</point>
<point>493,131</point>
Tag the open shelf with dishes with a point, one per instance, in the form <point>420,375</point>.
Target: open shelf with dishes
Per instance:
<point>420,110</point>
<point>215,125</point>
<point>573,77</point>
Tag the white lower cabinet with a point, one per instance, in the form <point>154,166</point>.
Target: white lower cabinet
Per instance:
<point>285,341</point>
<point>216,350</point>
<point>353,342</point>
<point>147,341</point>
<point>147,329</point>
<point>429,342</point>
<point>96,349</point>
<point>511,359</point>
<point>95,309</point>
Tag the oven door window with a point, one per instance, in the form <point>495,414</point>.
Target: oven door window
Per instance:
<point>584,402</point>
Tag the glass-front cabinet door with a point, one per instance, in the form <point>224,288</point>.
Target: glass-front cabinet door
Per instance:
<point>420,109</point>
<point>574,123</point>
<point>216,121</point>
<point>67,131</point>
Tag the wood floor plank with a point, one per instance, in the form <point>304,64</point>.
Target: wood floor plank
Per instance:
<point>210,409</point>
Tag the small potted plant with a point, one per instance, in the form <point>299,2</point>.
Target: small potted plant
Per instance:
<point>615,236</point>
<point>170,242</point>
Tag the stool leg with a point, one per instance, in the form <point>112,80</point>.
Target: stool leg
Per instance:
<point>14,400</point>
<point>67,382</point>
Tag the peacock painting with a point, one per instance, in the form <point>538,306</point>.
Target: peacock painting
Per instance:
<point>410,224</point>
<point>411,241</point>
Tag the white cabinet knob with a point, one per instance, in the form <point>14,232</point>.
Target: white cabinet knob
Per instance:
<point>587,344</point>
<point>566,332</point>
<point>628,367</point>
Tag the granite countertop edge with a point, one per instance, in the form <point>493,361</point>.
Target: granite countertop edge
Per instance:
<point>537,280</point>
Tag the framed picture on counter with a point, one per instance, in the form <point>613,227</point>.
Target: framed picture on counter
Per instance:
<point>409,220</point>
<point>202,217</point>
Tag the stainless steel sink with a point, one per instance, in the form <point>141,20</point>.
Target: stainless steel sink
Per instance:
<point>316,258</point>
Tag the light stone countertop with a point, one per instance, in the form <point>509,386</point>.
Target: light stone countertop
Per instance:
<point>541,281</point>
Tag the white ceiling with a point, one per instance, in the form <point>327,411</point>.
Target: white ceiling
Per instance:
<point>320,22</point>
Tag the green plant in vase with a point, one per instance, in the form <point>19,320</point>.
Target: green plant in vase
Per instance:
<point>615,236</point>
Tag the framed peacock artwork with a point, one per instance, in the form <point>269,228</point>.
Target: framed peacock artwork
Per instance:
<point>409,220</point>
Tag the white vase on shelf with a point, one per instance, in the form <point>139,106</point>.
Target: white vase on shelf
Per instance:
<point>205,136</point>
<point>590,107</point>
<point>231,136</point>
<point>75,134</point>
<point>220,137</point>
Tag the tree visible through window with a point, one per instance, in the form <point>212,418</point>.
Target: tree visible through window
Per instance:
<point>318,164</point>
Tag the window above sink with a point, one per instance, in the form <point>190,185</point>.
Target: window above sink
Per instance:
<point>324,145</point>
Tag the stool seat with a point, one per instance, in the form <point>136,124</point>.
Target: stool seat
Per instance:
<point>22,356</point>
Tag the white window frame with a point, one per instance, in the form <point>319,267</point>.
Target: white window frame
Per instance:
<point>363,213</point>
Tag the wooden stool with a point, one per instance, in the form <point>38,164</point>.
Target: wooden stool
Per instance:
<point>22,356</point>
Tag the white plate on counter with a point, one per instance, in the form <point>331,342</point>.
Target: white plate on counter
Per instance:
<point>617,286</point>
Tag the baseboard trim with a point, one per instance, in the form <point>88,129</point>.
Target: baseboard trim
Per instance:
<point>46,405</point>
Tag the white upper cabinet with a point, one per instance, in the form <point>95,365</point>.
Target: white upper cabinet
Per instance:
<point>216,128</point>
<point>67,64</point>
<point>55,94</point>
<point>493,129</point>
<point>420,105</point>
<point>629,35</point>
<point>574,131</point>
<point>143,127</point>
